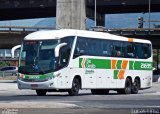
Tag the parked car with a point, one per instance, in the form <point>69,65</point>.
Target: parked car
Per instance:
<point>9,71</point>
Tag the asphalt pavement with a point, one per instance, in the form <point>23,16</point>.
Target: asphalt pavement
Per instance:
<point>26,101</point>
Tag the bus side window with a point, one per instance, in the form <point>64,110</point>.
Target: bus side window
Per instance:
<point>139,51</point>
<point>124,49</point>
<point>95,48</point>
<point>146,50</point>
<point>130,50</point>
<point>83,47</point>
<point>118,52</point>
<point>80,48</point>
<point>117,49</point>
<point>77,49</point>
<point>89,49</point>
<point>112,50</point>
<point>106,51</point>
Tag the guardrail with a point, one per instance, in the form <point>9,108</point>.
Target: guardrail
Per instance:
<point>119,31</point>
<point>130,31</point>
<point>145,31</point>
<point>23,28</point>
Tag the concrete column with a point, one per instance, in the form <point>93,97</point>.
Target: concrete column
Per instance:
<point>101,20</point>
<point>70,14</point>
<point>100,17</point>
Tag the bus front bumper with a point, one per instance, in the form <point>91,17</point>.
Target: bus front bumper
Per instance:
<point>50,84</point>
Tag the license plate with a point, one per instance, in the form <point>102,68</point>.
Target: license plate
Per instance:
<point>34,85</point>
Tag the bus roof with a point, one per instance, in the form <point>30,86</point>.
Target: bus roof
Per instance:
<point>56,34</point>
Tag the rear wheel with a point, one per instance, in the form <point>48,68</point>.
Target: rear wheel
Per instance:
<point>127,88</point>
<point>75,87</point>
<point>99,91</point>
<point>41,92</point>
<point>135,86</point>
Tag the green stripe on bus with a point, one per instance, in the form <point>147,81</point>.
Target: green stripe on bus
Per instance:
<point>116,74</point>
<point>38,76</point>
<point>131,65</point>
<point>80,61</point>
<point>106,64</point>
<point>139,65</point>
<point>119,64</point>
<point>95,63</point>
<point>35,76</point>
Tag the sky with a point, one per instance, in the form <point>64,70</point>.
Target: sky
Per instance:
<point>112,21</point>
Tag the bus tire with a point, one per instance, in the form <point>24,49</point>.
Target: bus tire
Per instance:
<point>41,92</point>
<point>75,87</point>
<point>99,91</point>
<point>135,86</point>
<point>127,88</point>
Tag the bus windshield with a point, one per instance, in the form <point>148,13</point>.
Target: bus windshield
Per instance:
<point>38,57</point>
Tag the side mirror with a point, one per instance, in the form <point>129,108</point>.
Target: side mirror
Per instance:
<point>13,50</point>
<point>58,47</point>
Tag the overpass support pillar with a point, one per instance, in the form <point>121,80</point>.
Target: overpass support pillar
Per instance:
<point>101,20</point>
<point>70,14</point>
<point>100,17</point>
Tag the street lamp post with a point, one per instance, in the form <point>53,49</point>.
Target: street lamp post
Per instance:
<point>149,8</point>
<point>95,13</point>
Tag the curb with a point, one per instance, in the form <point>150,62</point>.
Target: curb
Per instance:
<point>8,81</point>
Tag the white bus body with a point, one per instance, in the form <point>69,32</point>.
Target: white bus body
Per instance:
<point>69,60</point>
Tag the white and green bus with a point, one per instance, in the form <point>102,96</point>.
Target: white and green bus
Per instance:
<point>70,60</point>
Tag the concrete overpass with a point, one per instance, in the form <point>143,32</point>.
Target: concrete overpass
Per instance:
<point>23,9</point>
<point>11,36</point>
<point>69,13</point>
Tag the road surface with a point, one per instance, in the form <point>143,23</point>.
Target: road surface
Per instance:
<point>26,101</point>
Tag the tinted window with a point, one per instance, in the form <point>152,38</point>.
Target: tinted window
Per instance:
<point>146,50</point>
<point>107,47</point>
<point>88,46</point>
<point>117,52</point>
<point>111,48</point>
<point>143,51</point>
<point>130,50</point>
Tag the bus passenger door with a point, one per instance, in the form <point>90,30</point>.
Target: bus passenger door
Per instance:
<point>64,78</point>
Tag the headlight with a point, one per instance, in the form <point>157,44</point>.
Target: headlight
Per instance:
<point>21,76</point>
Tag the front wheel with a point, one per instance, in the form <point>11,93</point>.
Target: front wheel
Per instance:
<point>75,87</point>
<point>41,92</point>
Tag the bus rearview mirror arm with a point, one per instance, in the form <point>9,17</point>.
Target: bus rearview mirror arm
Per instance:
<point>13,50</point>
<point>58,47</point>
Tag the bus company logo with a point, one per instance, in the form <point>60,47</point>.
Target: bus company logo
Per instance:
<point>87,63</point>
<point>83,62</point>
<point>146,66</point>
<point>89,72</point>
